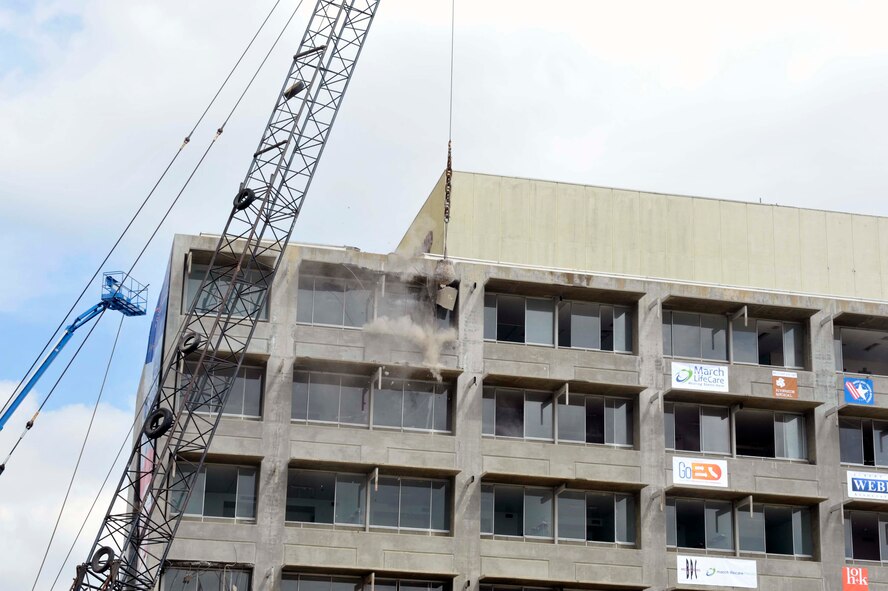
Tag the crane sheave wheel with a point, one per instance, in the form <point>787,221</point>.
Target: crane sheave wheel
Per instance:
<point>190,343</point>
<point>102,559</point>
<point>243,199</point>
<point>158,423</point>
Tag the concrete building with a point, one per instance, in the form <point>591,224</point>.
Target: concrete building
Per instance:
<point>632,391</point>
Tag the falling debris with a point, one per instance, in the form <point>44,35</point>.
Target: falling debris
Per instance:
<point>429,338</point>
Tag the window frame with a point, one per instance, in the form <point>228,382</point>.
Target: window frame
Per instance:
<point>188,282</point>
<point>699,315</point>
<point>360,582</point>
<point>861,422</point>
<point>774,416</point>
<point>243,368</point>
<point>764,507</point>
<point>215,568</point>
<point>882,530</point>
<point>701,433</point>
<point>671,502</point>
<point>839,353</point>
<point>783,323</point>
<point>237,494</point>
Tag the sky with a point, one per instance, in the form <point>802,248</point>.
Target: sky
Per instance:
<point>778,102</point>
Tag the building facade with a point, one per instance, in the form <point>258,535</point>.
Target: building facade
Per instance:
<point>629,391</point>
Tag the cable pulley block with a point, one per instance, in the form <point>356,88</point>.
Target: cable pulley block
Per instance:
<point>244,198</point>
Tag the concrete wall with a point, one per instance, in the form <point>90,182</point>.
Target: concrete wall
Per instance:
<point>600,229</point>
<point>274,443</point>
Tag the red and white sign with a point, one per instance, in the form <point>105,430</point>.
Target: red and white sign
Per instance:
<point>855,578</point>
<point>785,384</point>
<point>700,472</point>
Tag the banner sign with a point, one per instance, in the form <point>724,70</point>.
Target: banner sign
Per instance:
<point>699,376</point>
<point>859,391</point>
<point>868,485</point>
<point>785,384</point>
<point>855,578</point>
<point>712,571</point>
<point>700,472</point>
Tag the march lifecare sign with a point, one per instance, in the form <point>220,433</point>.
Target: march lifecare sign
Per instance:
<point>712,571</point>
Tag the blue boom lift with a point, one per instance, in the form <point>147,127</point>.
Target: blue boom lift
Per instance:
<point>119,292</point>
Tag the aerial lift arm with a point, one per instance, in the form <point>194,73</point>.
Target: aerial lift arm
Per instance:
<point>118,293</point>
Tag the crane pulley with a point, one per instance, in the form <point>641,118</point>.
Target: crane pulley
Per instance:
<point>134,540</point>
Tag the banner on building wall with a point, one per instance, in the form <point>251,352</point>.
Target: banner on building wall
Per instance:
<point>855,578</point>
<point>868,485</point>
<point>699,376</point>
<point>859,391</point>
<point>785,384</point>
<point>721,572</point>
<point>700,472</point>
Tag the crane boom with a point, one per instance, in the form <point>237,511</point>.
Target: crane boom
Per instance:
<point>135,536</point>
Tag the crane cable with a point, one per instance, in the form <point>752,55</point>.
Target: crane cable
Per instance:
<point>139,209</point>
<point>80,455</point>
<point>171,206</point>
<point>448,172</point>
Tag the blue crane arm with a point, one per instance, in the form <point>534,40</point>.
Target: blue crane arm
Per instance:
<point>69,332</point>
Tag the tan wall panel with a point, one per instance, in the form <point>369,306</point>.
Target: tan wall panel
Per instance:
<point>865,239</point>
<point>760,241</point>
<point>812,238</point>
<point>599,224</point>
<point>571,205</point>
<point>734,246</point>
<point>680,241</point>
<point>706,227</point>
<point>627,245</point>
<point>488,218</point>
<point>787,249</point>
<point>653,233</point>
<point>516,203</point>
<point>543,225</point>
<point>840,258</point>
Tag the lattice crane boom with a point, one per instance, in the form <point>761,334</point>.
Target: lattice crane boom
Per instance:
<point>136,534</point>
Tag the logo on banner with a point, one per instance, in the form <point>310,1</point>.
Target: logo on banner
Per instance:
<point>868,485</point>
<point>785,384</point>
<point>855,578</point>
<point>699,376</point>
<point>706,570</point>
<point>700,472</point>
<point>859,391</point>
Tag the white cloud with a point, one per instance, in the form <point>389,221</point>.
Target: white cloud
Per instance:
<point>34,484</point>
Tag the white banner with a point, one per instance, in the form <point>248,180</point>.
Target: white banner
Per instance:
<point>712,571</point>
<point>868,485</point>
<point>699,376</point>
<point>700,472</point>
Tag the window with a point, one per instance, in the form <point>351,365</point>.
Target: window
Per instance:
<point>348,399</point>
<point>410,503</point>
<point>775,529</point>
<point>218,490</point>
<point>244,398</point>
<point>529,414</point>
<point>697,336</point>
<point>697,427</point>
<point>768,434</point>
<point>863,441</point>
<point>529,512</point>
<point>395,502</point>
<point>325,497</point>
<point>866,535</point>
<point>861,350</point>
<point>768,342</point>
<point>331,301</point>
<point>695,523</point>
<point>246,298</point>
<point>179,578</point>
<point>319,582</point>
<point>579,325</point>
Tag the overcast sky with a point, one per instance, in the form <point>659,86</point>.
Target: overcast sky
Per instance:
<point>778,101</point>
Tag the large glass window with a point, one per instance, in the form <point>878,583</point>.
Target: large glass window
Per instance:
<point>768,342</point>
<point>695,523</point>
<point>865,535</point>
<point>347,399</point>
<point>769,434</point>
<point>863,441</point>
<point>862,351</point>
<point>775,529</point>
<point>218,490</point>
<point>531,512</point>
<point>696,336</point>
<point>697,427</point>
<point>395,502</point>
<point>582,418</point>
<point>244,398</point>
<point>321,582</point>
<point>580,325</point>
<point>244,300</point>
<point>220,578</point>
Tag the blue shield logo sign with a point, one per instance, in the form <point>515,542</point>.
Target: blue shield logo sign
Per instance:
<point>859,391</point>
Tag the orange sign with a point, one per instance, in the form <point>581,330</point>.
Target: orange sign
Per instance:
<point>855,578</point>
<point>785,384</point>
<point>706,471</point>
